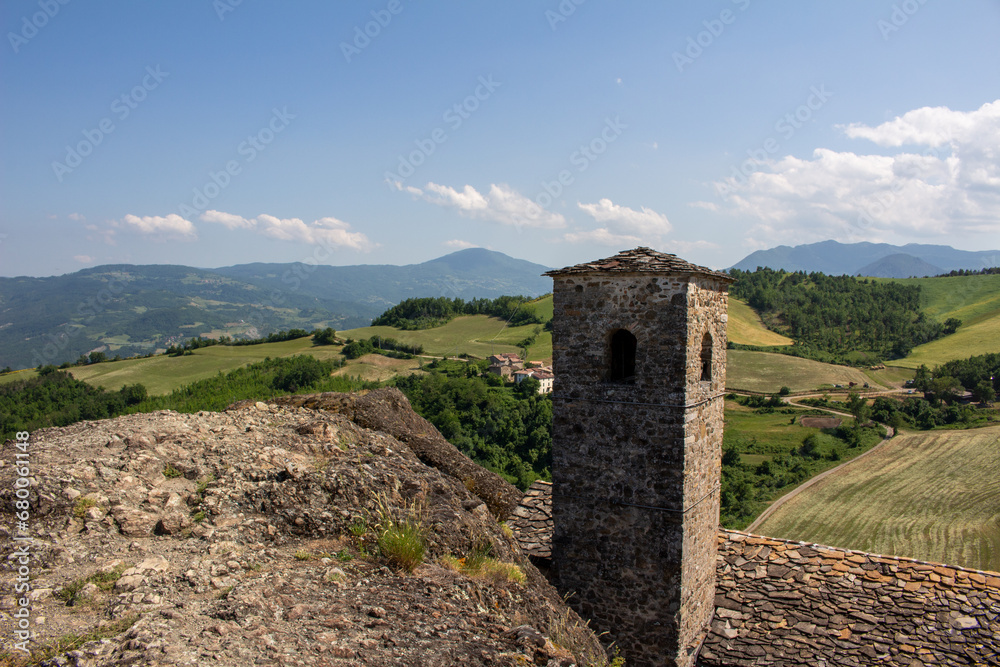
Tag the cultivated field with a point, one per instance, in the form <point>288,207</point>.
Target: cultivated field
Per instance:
<point>744,327</point>
<point>767,372</point>
<point>932,496</point>
<point>376,368</point>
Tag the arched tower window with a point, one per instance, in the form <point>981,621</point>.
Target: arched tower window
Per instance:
<point>706,358</point>
<point>623,346</point>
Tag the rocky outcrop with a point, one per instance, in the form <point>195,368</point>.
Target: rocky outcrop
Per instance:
<point>250,537</point>
<point>389,411</point>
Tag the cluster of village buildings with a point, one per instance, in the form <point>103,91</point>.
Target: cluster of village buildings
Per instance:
<point>511,366</point>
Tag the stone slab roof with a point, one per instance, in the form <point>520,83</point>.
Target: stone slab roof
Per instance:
<point>641,260</point>
<point>779,602</point>
<point>790,603</point>
<point>531,521</point>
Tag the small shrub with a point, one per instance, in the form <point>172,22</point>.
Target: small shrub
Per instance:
<point>198,516</point>
<point>497,571</point>
<point>170,472</point>
<point>359,527</point>
<point>203,484</point>
<point>106,580</point>
<point>344,556</point>
<point>402,544</point>
<point>303,555</point>
<point>82,505</point>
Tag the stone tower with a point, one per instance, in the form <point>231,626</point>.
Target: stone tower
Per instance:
<point>639,354</point>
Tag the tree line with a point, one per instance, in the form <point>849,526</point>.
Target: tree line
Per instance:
<point>198,342</point>
<point>389,347</point>
<point>428,312</point>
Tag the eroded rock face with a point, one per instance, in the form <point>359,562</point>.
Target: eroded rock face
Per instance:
<point>249,536</point>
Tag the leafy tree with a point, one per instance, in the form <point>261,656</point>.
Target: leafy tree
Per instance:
<point>858,407</point>
<point>984,392</point>
<point>325,336</point>
<point>945,388</point>
<point>528,386</point>
<point>951,325</point>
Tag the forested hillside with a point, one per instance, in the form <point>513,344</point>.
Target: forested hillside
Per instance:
<point>428,312</point>
<point>851,319</point>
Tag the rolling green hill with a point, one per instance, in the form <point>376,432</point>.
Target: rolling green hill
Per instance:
<point>973,299</point>
<point>745,327</point>
<point>476,335</point>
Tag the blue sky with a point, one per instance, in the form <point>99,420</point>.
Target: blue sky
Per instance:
<point>212,134</point>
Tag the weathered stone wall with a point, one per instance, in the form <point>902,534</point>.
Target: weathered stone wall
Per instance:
<point>628,458</point>
<point>707,313</point>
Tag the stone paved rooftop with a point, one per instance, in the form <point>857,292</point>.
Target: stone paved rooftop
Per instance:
<point>532,520</point>
<point>640,260</point>
<point>779,602</point>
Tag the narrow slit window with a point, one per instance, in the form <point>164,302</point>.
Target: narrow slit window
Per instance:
<point>623,346</point>
<point>706,358</point>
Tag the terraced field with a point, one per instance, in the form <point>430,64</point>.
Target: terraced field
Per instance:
<point>933,496</point>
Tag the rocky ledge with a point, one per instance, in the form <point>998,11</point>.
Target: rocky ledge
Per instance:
<point>251,537</point>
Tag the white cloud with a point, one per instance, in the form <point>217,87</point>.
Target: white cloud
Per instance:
<point>622,225</point>
<point>951,187</point>
<point>646,222</point>
<point>83,259</point>
<point>229,220</point>
<point>602,236</point>
<point>170,226</point>
<point>501,204</point>
<point>325,231</point>
<point>460,244</point>
<point>932,126</point>
<point>77,217</point>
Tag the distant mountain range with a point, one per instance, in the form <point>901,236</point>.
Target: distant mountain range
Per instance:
<point>870,259</point>
<point>130,310</point>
